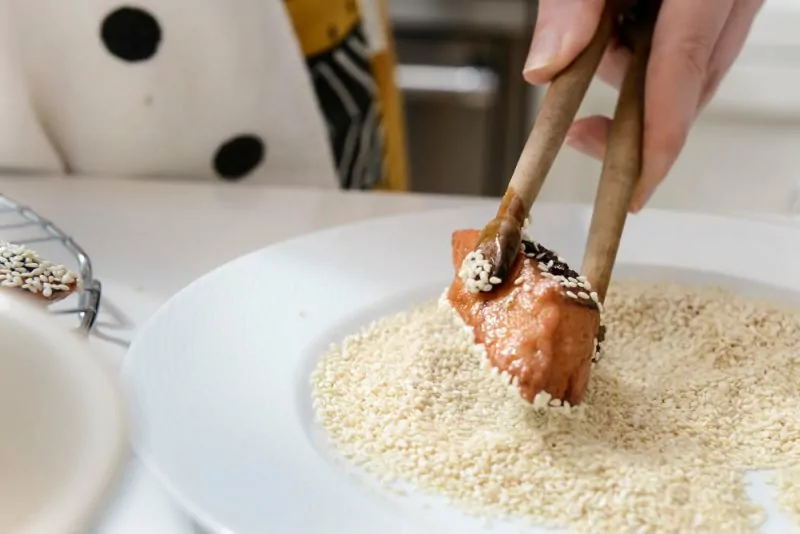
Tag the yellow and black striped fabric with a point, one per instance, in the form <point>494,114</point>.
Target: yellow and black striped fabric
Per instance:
<point>355,88</point>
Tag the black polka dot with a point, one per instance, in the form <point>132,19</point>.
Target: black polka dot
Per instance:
<point>239,156</point>
<point>131,34</point>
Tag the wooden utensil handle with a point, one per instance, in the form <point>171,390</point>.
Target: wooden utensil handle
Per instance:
<point>622,167</point>
<point>556,114</point>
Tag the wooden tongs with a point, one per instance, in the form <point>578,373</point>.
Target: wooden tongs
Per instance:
<point>632,22</point>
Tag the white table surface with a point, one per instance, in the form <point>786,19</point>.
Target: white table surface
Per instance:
<point>148,239</point>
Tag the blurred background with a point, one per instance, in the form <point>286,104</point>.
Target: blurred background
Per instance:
<point>468,112</point>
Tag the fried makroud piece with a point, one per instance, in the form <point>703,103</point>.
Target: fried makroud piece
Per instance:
<point>541,326</point>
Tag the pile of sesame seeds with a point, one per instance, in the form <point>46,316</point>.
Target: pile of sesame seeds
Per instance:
<point>788,483</point>
<point>697,386</point>
<point>23,268</point>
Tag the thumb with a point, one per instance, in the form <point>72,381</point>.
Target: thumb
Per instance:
<point>563,29</point>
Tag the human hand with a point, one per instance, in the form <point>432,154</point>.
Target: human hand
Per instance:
<point>694,45</point>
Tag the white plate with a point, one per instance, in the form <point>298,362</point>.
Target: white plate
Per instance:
<point>221,372</point>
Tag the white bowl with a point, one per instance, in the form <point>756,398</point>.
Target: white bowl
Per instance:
<point>63,433</point>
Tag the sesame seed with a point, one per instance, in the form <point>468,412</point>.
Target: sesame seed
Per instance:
<point>571,295</point>
<point>495,280</point>
<point>787,482</point>
<point>583,295</point>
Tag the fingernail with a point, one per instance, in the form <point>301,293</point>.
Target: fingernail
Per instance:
<point>640,198</point>
<point>544,50</point>
<point>655,169</point>
<point>636,206</point>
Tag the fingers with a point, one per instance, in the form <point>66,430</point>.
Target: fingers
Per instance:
<point>684,39</point>
<point>729,45</point>
<point>589,135</point>
<point>694,45</point>
<point>563,29</point>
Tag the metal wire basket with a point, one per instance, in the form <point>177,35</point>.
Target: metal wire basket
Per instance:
<point>18,218</point>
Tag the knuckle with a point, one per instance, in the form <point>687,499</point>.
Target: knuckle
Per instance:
<point>694,52</point>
